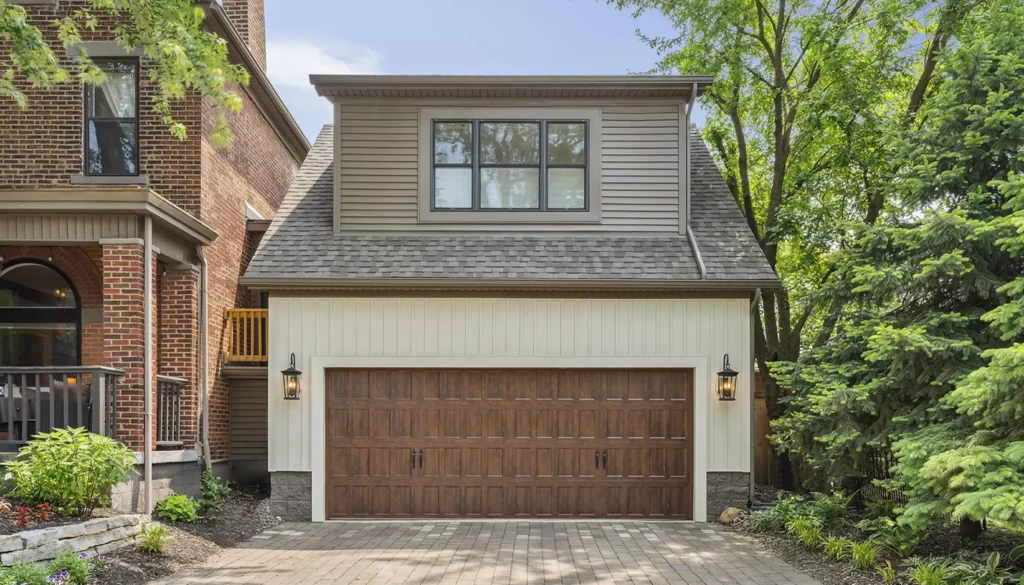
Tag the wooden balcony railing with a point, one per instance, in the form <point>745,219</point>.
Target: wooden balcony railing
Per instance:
<point>247,336</point>
<point>39,399</point>
<point>168,411</point>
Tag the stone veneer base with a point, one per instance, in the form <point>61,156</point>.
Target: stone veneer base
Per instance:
<point>291,495</point>
<point>177,477</point>
<point>725,489</point>
<point>98,535</point>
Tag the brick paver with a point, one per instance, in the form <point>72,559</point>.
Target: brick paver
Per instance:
<point>513,552</point>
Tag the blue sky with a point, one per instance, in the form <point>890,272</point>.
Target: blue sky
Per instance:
<point>461,37</point>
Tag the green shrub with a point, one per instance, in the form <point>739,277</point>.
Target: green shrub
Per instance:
<point>888,573</point>
<point>26,574</point>
<point>863,554</point>
<point>74,568</point>
<point>807,531</point>
<point>177,508</point>
<point>881,508</point>
<point>835,547</point>
<point>830,509</point>
<point>989,573</point>
<point>213,492</point>
<point>68,569</point>
<point>781,515</point>
<point>72,469</point>
<point>929,573</point>
<point>899,538</point>
<point>154,538</point>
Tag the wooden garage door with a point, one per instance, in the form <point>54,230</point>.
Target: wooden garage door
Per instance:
<point>510,443</point>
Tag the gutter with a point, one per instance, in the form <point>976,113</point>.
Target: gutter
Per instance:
<point>684,162</point>
<point>753,386</point>
<point>147,366</point>
<point>287,282</point>
<point>204,356</point>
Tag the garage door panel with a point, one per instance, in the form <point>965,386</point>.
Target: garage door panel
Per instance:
<point>509,443</point>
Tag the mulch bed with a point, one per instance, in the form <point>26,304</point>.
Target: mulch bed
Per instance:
<point>245,513</point>
<point>942,541</point>
<point>9,520</point>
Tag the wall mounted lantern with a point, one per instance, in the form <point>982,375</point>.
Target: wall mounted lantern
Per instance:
<point>727,381</point>
<point>292,381</point>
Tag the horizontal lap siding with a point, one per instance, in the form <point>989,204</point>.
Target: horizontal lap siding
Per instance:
<point>570,328</point>
<point>640,167</point>
<point>378,167</point>
<point>639,171</point>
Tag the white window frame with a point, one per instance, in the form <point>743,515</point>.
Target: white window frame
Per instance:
<point>592,116</point>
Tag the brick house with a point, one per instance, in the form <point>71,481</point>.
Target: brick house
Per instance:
<point>91,182</point>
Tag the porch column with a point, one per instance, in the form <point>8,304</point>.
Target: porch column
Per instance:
<point>178,340</point>
<point>123,338</point>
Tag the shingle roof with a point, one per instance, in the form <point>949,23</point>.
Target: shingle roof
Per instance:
<point>301,244</point>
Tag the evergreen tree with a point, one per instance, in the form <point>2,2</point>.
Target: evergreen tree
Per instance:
<point>929,353</point>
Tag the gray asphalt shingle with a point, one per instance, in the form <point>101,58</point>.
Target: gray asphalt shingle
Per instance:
<point>300,242</point>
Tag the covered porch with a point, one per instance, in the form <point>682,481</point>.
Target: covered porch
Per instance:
<point>75,289</point>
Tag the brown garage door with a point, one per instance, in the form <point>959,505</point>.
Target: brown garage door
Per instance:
<point>507,443</point>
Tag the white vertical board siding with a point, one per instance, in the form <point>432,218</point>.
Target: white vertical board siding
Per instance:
<point>639,169</point>
<point>560,331</point>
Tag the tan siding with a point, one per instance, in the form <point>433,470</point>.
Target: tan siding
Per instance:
<point>248,420</point>
<point>67,228</point>
<point>639,171</point>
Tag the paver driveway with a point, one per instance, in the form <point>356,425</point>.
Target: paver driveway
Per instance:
<point>466,552</point>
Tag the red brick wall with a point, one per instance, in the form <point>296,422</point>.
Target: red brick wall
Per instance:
<point>257,169</point>
<point>43,144</point>
<point>247,17</point>
<point>123,340</point>
<point>177,346</point>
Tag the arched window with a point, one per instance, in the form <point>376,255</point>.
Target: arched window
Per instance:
<point>40,317</point>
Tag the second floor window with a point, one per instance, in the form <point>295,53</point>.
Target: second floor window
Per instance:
<point>520,165</point>
<point>112,120</point>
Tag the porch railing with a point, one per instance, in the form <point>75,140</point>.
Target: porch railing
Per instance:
<point>40,399</point>
<point>247,335</point>
<point>168,411</point>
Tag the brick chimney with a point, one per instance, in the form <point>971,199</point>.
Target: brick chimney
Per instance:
<point>247,16</point>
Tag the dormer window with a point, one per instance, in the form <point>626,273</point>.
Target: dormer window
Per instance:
<point>112,120</point>
<point>509,165</point>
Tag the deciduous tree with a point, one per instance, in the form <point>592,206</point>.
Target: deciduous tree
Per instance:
<point>182,56</point>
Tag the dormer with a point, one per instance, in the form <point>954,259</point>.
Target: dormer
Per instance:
<point>511,153</point>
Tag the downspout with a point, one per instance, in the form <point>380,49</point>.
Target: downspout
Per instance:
<point>753,400</point>
<point>204,356</point>
<point>147,366</point>
<point>685,138</point>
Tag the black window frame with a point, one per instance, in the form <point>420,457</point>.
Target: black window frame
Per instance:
<point>543,165</point>
<point>90,95</point>
<point>47,315</point>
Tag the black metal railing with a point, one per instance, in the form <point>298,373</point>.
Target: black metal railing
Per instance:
<point>168,410</point>
<point>39,399</point>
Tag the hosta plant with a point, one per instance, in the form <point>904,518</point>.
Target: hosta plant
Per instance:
<point>836,547</point>
<point>863,554</point>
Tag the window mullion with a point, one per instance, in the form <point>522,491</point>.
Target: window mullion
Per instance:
<point>543,194</point>
<point>475,135</point>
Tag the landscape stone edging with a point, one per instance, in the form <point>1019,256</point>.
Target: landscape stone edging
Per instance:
<point>99,535</point>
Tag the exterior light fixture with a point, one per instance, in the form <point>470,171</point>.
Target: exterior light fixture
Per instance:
<point>292,381</point>
<point>727,381</point>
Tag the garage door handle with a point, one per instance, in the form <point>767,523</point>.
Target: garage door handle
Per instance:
<point>421,458</point>
<point>604,458</point>
<point>597,460</point>
<point>412,458</point>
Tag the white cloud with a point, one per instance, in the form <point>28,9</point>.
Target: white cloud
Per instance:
<point>290,63</point>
